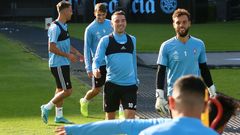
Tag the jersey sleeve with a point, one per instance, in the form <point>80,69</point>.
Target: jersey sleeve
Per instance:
<point>87,50</point>
<point>202,57</point>
<point>53,33</point>
<point>135,58</point>
<point>128,126</point>
<point>100,52</point>
<point>162,56</point>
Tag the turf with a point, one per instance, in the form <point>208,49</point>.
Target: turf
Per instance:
<point>218,36</point>
<point>227,81</point>
<point>26,83</point>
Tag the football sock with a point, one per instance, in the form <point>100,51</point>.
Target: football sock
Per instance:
<point>59,112</point>
<point>49,105</point>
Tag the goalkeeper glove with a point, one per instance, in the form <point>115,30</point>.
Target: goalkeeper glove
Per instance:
<point>161,104</point>
<point>212,91</point>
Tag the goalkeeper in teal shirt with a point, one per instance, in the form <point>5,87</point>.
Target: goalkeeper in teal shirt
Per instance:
<point>179,56</point>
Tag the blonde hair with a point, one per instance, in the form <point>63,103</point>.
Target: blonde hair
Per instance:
<point>62,5</point>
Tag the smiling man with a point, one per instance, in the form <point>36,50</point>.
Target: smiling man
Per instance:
<point>119,51</point>
<point>179,56</point>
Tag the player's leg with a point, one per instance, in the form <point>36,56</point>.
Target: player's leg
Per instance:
<point>121,112</point>
<point>97,84</point>
<point>63,90</point>
<point>129,101</point>
<point>111,100</point>
<point>110,115</point>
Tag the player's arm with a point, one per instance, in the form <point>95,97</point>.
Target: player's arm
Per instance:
<point>206,75</point>
<point>161,104</point>
<point>160,77</point>
<point>52,47</point>
<point>162,62</point>
<point>128,126</point>
<point>87,51</point>
<point>99,56</point>
<point>76,52</point>
<point>135,59</point>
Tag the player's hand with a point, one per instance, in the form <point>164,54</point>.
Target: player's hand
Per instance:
<point>97,73</point>
<point>81,57</point>
<point>90,74</point>
<point>212,91</point>
<point>72,57</point>
<point>161,104</point>
<point>60,130</point>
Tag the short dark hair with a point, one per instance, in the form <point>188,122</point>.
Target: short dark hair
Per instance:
<point>229,109</point>
<point>102,7</point>
<point>119,12</point>
<point>191,85</point>
<point>179,12</point>
<point>62,5</point>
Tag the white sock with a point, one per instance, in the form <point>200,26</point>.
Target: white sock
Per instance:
<point>49,105</point>
<point>59,112</point>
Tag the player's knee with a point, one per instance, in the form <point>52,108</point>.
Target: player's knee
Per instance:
<point>130,114</point>
<point>67,92</point>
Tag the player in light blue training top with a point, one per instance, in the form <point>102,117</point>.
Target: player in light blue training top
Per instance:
<point>179,56</point>
<point>94,32</point>
<point>119,51</point>
<point>60,55</point>
<point>186,104</point>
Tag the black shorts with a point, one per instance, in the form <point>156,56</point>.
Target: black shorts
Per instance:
<point>114,93</point>
<point>62,77</point>
<point>99,82</point>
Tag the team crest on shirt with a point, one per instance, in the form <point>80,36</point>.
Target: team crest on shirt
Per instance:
<point>176,56</point>
<point>98,34</point>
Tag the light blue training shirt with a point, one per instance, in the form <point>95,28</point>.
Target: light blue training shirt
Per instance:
<point>113,127</point>
<point>93,33</point>
<point>181,58</point>
<point>121,67</point>
<point>64,46</point>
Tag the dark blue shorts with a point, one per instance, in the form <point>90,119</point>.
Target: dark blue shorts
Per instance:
<point>99,82</point>
<point>114,94</point>
<point>62,77</point>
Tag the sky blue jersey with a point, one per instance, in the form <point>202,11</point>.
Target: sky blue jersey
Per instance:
<point>113,127</point>
<point>93,33</point>
<point>181,59</point>
<point>64,46</point>
<point>121,67</point>
<point>180,126</point>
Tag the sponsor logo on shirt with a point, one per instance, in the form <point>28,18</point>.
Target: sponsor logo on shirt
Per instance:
<point>123,48</point>
<point>98,34</point>
<point>195,51</point>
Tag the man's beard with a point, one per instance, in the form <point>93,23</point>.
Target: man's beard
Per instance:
<point>183,34</point>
